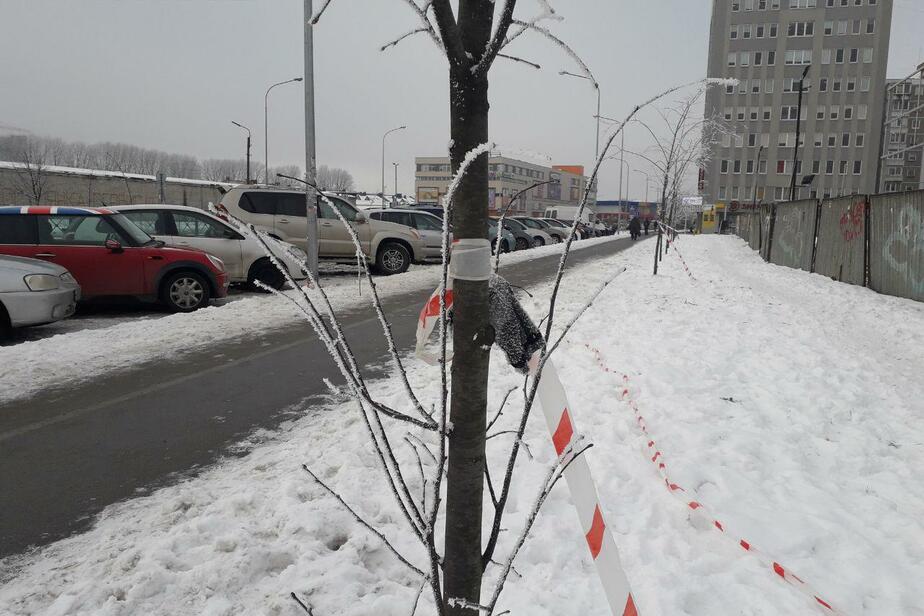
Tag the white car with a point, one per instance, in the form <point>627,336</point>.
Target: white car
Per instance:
<point>34,292</point>
<point>429,226</point>
<point>189,227</point>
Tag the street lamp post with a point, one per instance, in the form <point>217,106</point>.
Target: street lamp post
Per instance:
<point>795,149</point>
<point>247,180</point>
<point>266,125</point>
<point>647,182</point>
<point>597,88</point>
<point>388,132</point>
<point>394,197</point>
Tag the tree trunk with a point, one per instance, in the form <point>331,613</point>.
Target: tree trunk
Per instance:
<point>472,337</point>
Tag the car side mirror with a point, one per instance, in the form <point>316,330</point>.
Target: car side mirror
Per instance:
<point>113,246</point>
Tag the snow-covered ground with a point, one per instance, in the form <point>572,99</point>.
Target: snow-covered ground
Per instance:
<point>104,345</point>
<point>788,403</point>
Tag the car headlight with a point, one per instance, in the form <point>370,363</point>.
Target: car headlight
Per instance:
<point>42,282</point>
<point>297,253</point>
<point>67,278</point>
<point>218,263</point>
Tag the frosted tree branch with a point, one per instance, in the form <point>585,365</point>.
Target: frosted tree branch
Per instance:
<point>520,60</point>
<point>364,523</point>
<point>563,45</point>
<point>395,42</point>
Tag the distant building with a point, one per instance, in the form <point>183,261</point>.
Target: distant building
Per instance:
<point>506,178</point>
<point>902,164</point>
<point>614,210</point>
<point>765,45</point>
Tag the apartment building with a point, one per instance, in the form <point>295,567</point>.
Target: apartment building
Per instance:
<point>902,165</point>
<point>506,178</point>
<point>766,45</point>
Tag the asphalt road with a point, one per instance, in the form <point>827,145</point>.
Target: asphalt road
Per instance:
<point>66,454</point>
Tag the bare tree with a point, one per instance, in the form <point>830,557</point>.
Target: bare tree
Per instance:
<point>335,179</point>
<point>30,181</point>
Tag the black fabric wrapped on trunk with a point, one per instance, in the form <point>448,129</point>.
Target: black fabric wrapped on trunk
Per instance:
<point>514,331</point>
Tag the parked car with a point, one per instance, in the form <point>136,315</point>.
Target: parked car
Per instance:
<point>429,226</point>
<point>110,256</point>
<point>507,241</point>
<point>530,237</point>
<point>556,233</point>
<point>243,255</point>
<point>564,227</point>
<point>280,212</point>
<point>33,292</point>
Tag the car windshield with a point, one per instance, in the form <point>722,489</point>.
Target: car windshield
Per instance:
<point>529,222</point>
<point>555,223</point>
<point>514,225</point>
<point>132,230</point>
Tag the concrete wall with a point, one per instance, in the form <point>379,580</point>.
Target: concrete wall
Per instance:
<point>842,239</point>
<point>96,189</point>
<point>896,246</point>
<point>794,234</point>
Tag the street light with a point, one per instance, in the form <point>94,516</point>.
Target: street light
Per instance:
<point>647,183</point>
<point>597,88</point>
<point>388,132</point>
<point>795,149</point>
<point>266,125</point>
<point>247,181</point>
<point>394,197</point>
<point>622,150</point>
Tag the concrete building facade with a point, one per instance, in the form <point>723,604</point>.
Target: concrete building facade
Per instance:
<point>506,178</point>
<point>902,165</point>
<point>766,45</point>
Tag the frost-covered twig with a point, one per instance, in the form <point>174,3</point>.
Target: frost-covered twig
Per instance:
<point>497,39</point>
<point>556,472</point>
<point>469,605</point>
<point>302,604</point>
<point>417,598</point>
<point>503,216</point>
<point>317,16</point>
<point>364,523</point>
<point>501,409</point>
<point>518,59</point>
<point>394,42</point>
<point>423,477</point>
<point>563,45</point>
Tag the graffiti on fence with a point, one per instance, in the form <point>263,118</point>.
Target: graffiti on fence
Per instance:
<point>905,247</point>
<point>851,222</point>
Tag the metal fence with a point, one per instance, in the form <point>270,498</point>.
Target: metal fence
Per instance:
<point>841,242</point>
<point>875,241</point>
<point>896,244</point>
<point>794,234</point>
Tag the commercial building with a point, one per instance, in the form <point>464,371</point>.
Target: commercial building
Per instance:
<point>902,165</point>
<point>766,45</point>
<point>508,177</point>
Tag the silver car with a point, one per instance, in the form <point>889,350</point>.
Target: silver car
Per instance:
<point>33,292</point>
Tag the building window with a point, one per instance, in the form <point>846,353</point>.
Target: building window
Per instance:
<point>773,30</point>
<point>760,31</point>
<point>722,192</point>
<point>816,167</point>
<point>819,139</point>
<point>750,166</point>
<point>767,113</point>
<point>870,26</point>
<point>820,113</point>
<point>862,111</point>
<point>854,55</point>
<point>858,166</point>
<point>799,56</point>
<point>746,31</point>
<point>867,55</point>
<point>733,33</point>
<point>829,167</point>
<point>736,166</point>
<point>829,28</point>
<point>732,59</point>
<point>823,85</point>
<point>860,140</point>
<point>839,56</point>
<point>845,140</point>
<point>724,167</point>
<point>826,56</point>
<point>832,141</point>
<point>851,85</point>
<point>729,112</point>
<point>836,85</point>
<point>835,112</point>
<point>762,167</point>
<point>848,112</point>
<point>864,84</point>
<point>781,166</point>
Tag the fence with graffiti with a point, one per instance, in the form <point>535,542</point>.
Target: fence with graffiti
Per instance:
<point>875,241</point>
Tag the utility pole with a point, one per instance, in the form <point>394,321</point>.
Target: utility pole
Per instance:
<point>795,149</point>
<point>266,104</point>
<point>247,180</point>
<point>394,197</point>
<point>760,151</point>
<point>311,199</point>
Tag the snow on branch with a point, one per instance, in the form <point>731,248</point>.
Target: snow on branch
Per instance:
<point>563,45</point>
<point>408,34</point>
<point>317,16</point>
<point>518,59</point>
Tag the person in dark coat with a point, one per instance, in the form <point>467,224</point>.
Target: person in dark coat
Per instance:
<point>635,228</point>
<point>647,222</point>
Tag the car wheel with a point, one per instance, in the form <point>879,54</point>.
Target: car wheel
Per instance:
<point>538,242</point>
<point>392,258</point>
<point>267,273</point>
<point>185,292</point>
<point>505,246</point>
<point>557,238</point>
<point>522,244</point>
<point>6,328</point>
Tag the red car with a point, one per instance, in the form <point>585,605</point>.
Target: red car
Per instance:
<point>110,256</point>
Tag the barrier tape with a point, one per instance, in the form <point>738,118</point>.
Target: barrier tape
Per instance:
<point>558,417</point>
<point>673,244</point>
<point>657,458</point>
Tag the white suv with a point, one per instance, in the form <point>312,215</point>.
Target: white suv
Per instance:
<point>390,247</point>
<point>188,227</point>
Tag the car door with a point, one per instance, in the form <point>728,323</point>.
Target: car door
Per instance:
<point>431,232</point>
<point>334,238</point>
<point>78,243</point>
<point>194,230</point>
<point>18,234</point>
<point>291,217</point>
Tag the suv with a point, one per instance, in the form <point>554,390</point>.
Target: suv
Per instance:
<point>429,226</point>
<point>110,256</point>
<point>243,255</point>
<point>280,212</point>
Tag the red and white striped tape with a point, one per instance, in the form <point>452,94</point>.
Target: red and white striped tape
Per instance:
<point>673,233</point>
<point>560,420</point>
<point>657,458</point>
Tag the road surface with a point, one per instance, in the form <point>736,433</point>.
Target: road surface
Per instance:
<point>66,454</point>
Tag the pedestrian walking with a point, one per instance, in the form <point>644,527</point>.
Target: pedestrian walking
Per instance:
<point>635,228</point>
<point>647,223</point>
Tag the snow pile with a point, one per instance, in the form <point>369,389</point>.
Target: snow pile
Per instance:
<point>788,402</point>
<point>29,367</point>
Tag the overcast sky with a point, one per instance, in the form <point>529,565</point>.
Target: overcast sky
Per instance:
<point>172,74</point>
